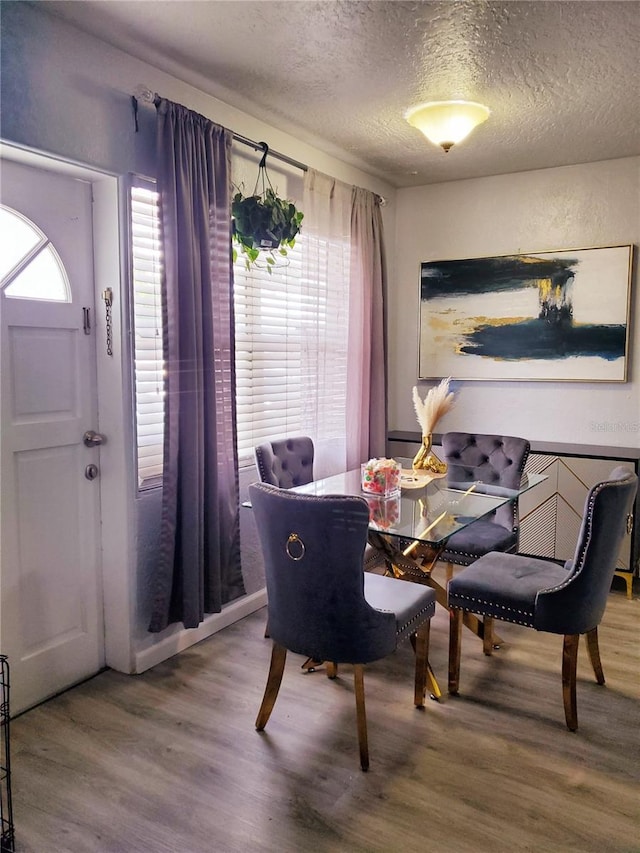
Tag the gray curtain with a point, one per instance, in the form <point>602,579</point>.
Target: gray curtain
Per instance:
<point>367,369</point>
<point>199,563</point>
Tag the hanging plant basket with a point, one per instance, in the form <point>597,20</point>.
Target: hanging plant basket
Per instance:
<point>264,226</point>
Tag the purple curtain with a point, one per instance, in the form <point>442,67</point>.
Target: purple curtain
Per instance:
<point>198,568</point>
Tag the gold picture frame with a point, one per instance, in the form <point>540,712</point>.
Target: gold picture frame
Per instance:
<point>542,316</point>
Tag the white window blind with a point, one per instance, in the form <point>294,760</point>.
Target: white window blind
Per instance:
<point>146,265</point>
<point>291,346</point>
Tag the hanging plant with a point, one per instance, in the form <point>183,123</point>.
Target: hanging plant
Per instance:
<point>264,226</point>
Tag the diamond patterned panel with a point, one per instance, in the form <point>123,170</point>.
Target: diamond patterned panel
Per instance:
<point>538,530</point>
<point>539,463</point>
<point>567,530</point>
<point>551,528</point>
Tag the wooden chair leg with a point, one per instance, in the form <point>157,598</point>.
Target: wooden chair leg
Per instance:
<point>361,715</point>
<point>274,679</point>
<point>332,670</point>
<point>455,640</point>
<point>432,682</point>
<point>569,668</point>
<point>487,635</point>
<point>449,574</point>
<point>422,663</point>
<point>594,654</point>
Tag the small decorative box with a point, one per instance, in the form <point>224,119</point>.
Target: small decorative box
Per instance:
<point>381,477</point>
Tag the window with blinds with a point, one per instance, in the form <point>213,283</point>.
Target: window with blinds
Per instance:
<point>291,341</point>
<point>291,334</point>
<point>146,267</point>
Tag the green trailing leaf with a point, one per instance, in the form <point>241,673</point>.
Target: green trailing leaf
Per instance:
<point>264,224</point>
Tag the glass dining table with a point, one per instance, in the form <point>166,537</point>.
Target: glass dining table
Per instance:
<point>411,528</point>
<point>427,510</point>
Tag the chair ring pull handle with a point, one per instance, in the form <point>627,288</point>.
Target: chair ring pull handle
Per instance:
<point>295,547</point>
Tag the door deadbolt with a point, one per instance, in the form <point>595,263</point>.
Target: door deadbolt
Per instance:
<point>91,472</point>
<point>93,439</point>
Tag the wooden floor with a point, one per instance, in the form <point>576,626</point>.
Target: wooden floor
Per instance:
<point>170,761</point>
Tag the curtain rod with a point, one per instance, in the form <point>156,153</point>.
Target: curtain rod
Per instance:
<point>142,93</point>
<point>260,146</point>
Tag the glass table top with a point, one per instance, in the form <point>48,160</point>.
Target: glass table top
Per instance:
<point>426,509</point>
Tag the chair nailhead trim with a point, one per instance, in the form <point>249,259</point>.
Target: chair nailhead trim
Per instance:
<point>578,566</point>
<point>261,469</point>
<point>416,618</point>
<point>494,606</point>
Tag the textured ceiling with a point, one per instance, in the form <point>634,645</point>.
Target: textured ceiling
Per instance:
<point>562,79</point>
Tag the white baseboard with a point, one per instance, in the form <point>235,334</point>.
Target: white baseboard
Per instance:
<point>182,638</point>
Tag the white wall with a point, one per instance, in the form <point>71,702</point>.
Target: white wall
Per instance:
<point>571,207</point>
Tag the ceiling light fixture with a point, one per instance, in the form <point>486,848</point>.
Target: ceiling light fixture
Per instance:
<point>447,122</point>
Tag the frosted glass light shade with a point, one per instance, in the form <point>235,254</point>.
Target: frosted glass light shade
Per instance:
<point>447,122</point>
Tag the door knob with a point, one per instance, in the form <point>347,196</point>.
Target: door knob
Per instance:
<point>93,439</point>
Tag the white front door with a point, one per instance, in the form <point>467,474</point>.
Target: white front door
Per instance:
<point>51,622</point>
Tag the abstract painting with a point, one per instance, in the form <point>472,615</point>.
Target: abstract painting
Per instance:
<point>560,316</point>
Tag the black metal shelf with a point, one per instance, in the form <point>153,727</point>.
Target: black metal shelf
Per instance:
<point>7,839</point>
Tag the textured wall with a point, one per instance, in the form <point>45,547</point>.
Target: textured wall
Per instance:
<point>551,73</point>
<point>595,204</point>
<point>68,93</point>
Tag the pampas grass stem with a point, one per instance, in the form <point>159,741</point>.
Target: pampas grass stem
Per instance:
<point>437,402</point>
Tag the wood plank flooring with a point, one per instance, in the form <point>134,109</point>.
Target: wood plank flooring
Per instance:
<point>170,762</point>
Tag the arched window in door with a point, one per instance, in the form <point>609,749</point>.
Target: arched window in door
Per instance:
<point>30,267</point>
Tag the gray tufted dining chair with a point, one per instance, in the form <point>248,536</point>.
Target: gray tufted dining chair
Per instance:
<point>496,460</point>
<point>288,462</point>
<point>567,599</point>
<point>321,602</point>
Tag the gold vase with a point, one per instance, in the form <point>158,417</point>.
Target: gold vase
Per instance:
<point>425,460</point>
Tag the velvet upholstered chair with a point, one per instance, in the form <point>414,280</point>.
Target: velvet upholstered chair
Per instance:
<point>321,602</point>
<point>288,462</point>
<point>567,599</point>
<point>496,460</point>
